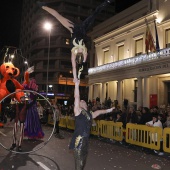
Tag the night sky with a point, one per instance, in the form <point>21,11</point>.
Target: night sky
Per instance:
<point>10,18</point>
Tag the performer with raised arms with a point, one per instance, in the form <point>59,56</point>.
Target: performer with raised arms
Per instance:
<point>83,123</point>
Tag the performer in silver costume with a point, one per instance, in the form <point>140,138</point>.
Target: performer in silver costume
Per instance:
<point>83,122</point>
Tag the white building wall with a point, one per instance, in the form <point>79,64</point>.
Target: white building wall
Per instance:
<point>112,90</point>
<point>129,26</point>
<point>96,89</point>
<point>128,90</point>
<point>153,85</point>
<point>146,92</point>
<point>163,89</point>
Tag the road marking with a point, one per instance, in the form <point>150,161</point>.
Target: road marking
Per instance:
<point>2,133</point>
<point>43,166</point>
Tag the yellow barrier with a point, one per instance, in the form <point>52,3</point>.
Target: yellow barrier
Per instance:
<point>50,119</point>
<point>166,140</point>
<point>95,128</point>
<point>63,122</point>
<point>111,130</point>
<point>70,123</point>
<point>143,135</point>
<point>140,135</point>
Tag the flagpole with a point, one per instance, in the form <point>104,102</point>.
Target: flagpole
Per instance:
<point>156,36</point>
<point>149,41</point>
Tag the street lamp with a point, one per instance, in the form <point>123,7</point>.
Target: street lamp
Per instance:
<point>48,27</point>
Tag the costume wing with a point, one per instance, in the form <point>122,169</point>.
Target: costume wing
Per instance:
<point>64,21</point>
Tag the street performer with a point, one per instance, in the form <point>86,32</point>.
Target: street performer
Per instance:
<point>20,117</point>
<point>83,123</point>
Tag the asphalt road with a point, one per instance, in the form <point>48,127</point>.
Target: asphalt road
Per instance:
<point>55,155</point>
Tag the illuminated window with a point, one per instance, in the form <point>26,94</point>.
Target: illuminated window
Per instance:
<point>139,46</point>
<point>106,57</point>
<point>121,52</point>
<point>167,38</point>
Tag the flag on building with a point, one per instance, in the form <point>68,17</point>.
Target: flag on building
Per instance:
<point>149,41</point>
<point>157,40</point>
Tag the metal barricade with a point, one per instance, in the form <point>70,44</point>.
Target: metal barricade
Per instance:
<point>70,123</point>
<point>111,130</point>
<point>63,122</point>
<point>95,129</point>
<point>143,135</point>
<point>166,140</point>
<point>50,119</point>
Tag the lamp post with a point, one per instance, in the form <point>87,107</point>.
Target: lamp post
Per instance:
<point>66,85</point>
<point>48,27</point>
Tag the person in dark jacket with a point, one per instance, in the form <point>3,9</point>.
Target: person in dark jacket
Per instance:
<point>146,116</point>
<point>132,117</point>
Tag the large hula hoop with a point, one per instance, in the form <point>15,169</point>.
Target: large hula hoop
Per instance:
<point>45,142</point>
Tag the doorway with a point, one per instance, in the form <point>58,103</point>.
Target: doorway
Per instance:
<point>168,92</point>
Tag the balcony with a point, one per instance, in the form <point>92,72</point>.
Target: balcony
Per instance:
<point>133,61</point>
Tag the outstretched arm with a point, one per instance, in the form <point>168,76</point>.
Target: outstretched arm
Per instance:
<point>99,112</point>
<point>64,21</point>
<point>73,61</point>
<point>77,98</point>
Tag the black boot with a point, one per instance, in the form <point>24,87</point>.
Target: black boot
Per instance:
<point>59,136</point>
<point>19,149</point>
<point>13,146</point>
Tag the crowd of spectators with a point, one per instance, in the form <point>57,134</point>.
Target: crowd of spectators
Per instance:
<point>129,114</point>
<point>155,116</point>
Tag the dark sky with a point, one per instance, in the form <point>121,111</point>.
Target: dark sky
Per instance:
<point>10,20</point>
<point>10,17</point>
<point>123,4</point>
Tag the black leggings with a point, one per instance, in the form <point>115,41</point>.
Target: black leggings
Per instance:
<point>80,30</point>
<point>57,127</point>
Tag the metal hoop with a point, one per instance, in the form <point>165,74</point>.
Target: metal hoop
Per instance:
<point>45,142</point>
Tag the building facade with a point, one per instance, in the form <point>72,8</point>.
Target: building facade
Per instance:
<point>41,47</point>
<point>120,68</point>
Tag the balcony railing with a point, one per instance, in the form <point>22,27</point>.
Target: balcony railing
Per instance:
<point>143,58</point>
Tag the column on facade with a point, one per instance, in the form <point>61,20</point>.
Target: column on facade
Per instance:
<point>100,92</point>
<point>112,92</point>
<point>120,93</point>
<point>103,92</point>
<point>146,92</point>
<point>139,93</point>
<point>90,95</point>
<point>96,90</point>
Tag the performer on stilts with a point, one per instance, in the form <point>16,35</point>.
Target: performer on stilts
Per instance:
<point>78,33</point>
<point>21,110</point>
<point>33,129</point>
